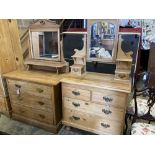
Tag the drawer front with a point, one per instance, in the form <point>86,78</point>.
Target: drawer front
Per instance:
<point>95,108</point>
<point>110,98</point>
<point>76,93</point>
<point>94,122</point>
<point>20,87</point>
<point>38,115</point>
<point>108,126</point>
<point>31,101</point>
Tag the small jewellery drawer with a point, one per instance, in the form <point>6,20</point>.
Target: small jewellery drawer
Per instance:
<point>20,87</point>
<point>94,108</point>
<point>31,101</point>
<point>110,98</point>
<point>76,93</point>
<point>38,115</point>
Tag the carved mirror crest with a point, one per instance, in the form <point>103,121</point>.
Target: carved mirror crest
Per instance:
<point>102,40</point>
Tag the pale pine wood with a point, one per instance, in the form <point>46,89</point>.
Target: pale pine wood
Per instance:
<point>98,105</point>
<point>32,101</point>
<point>29,88</point>
<point>35,98</point>
<point>76,93</point>
<point>90,122</point>
<point>40,77</point>
<point>117,99</point>
<point>97,80</point>
<point>100,109</point>
<point>5,106</point>
<point>38,115</point>
<point>16,44</point>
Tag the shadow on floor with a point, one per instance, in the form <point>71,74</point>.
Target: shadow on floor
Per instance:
<point>13,127</point>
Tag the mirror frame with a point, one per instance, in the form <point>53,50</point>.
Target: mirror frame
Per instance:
<point>114,52</point>
<point>43,26</point>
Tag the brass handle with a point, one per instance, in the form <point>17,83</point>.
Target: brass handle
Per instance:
<point>107,99</point>
<point>75,104</point>
<point>107,112</point>
<point>41,103</point>
<point>18,86</point>
<point>105,125</point>
<point>39,90</point>
<point>75,118</point>
<point>41,116</point>
<point>76,93</point>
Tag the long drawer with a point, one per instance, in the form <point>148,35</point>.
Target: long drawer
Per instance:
<point>91,122</point>
<point>76,93</point>
<point>110,98</point>
<point>102,110</point>
<point>31,101</point>
<point>39,115</point>
<point>16,87</point>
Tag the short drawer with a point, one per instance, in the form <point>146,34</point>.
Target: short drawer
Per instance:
<point>38,115</point>
<point>76,93</point>
<point>108,126</point>
<point>110,98</point>
<point>20,87</point>
<point>91,122</point>
<point>102,110</point>
<point>31,101</point>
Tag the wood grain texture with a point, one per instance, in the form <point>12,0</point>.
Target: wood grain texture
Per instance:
<point>98,80</point>
<point>10,53</point>
<point>38,115</point>
<point>90,122</point>
<point>40,77</point>
<point>100,109</point>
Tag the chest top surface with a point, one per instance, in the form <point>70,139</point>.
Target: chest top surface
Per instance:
<point>98,80</point>
<point>35,76</point>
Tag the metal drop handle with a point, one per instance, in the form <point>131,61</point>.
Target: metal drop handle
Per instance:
<point>105,125</point>
<point>76,92</point>
<point>107,99</point>
<point>76,118</point>
<point>76,104</point>
<point>107,112</point>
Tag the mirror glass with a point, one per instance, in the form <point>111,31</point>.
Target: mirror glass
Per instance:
<point>45,45</point>
<point>102,39</point>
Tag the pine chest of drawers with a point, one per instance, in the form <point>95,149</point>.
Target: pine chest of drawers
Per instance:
<point>93,104</point>
<point>35,98</point>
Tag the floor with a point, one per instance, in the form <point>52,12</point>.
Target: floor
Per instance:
<point>13,127</point>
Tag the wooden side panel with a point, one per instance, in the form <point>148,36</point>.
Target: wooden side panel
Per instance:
<point>16,44</point>
<point>10,53</point>
<point>7,62</point>
<point>57,103</point>
<point>5,107</point>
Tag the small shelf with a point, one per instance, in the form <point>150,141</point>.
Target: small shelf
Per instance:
<point>122,71</point>
<point>45,63</point>
<point>125,60</point>
<point>77,66</point>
